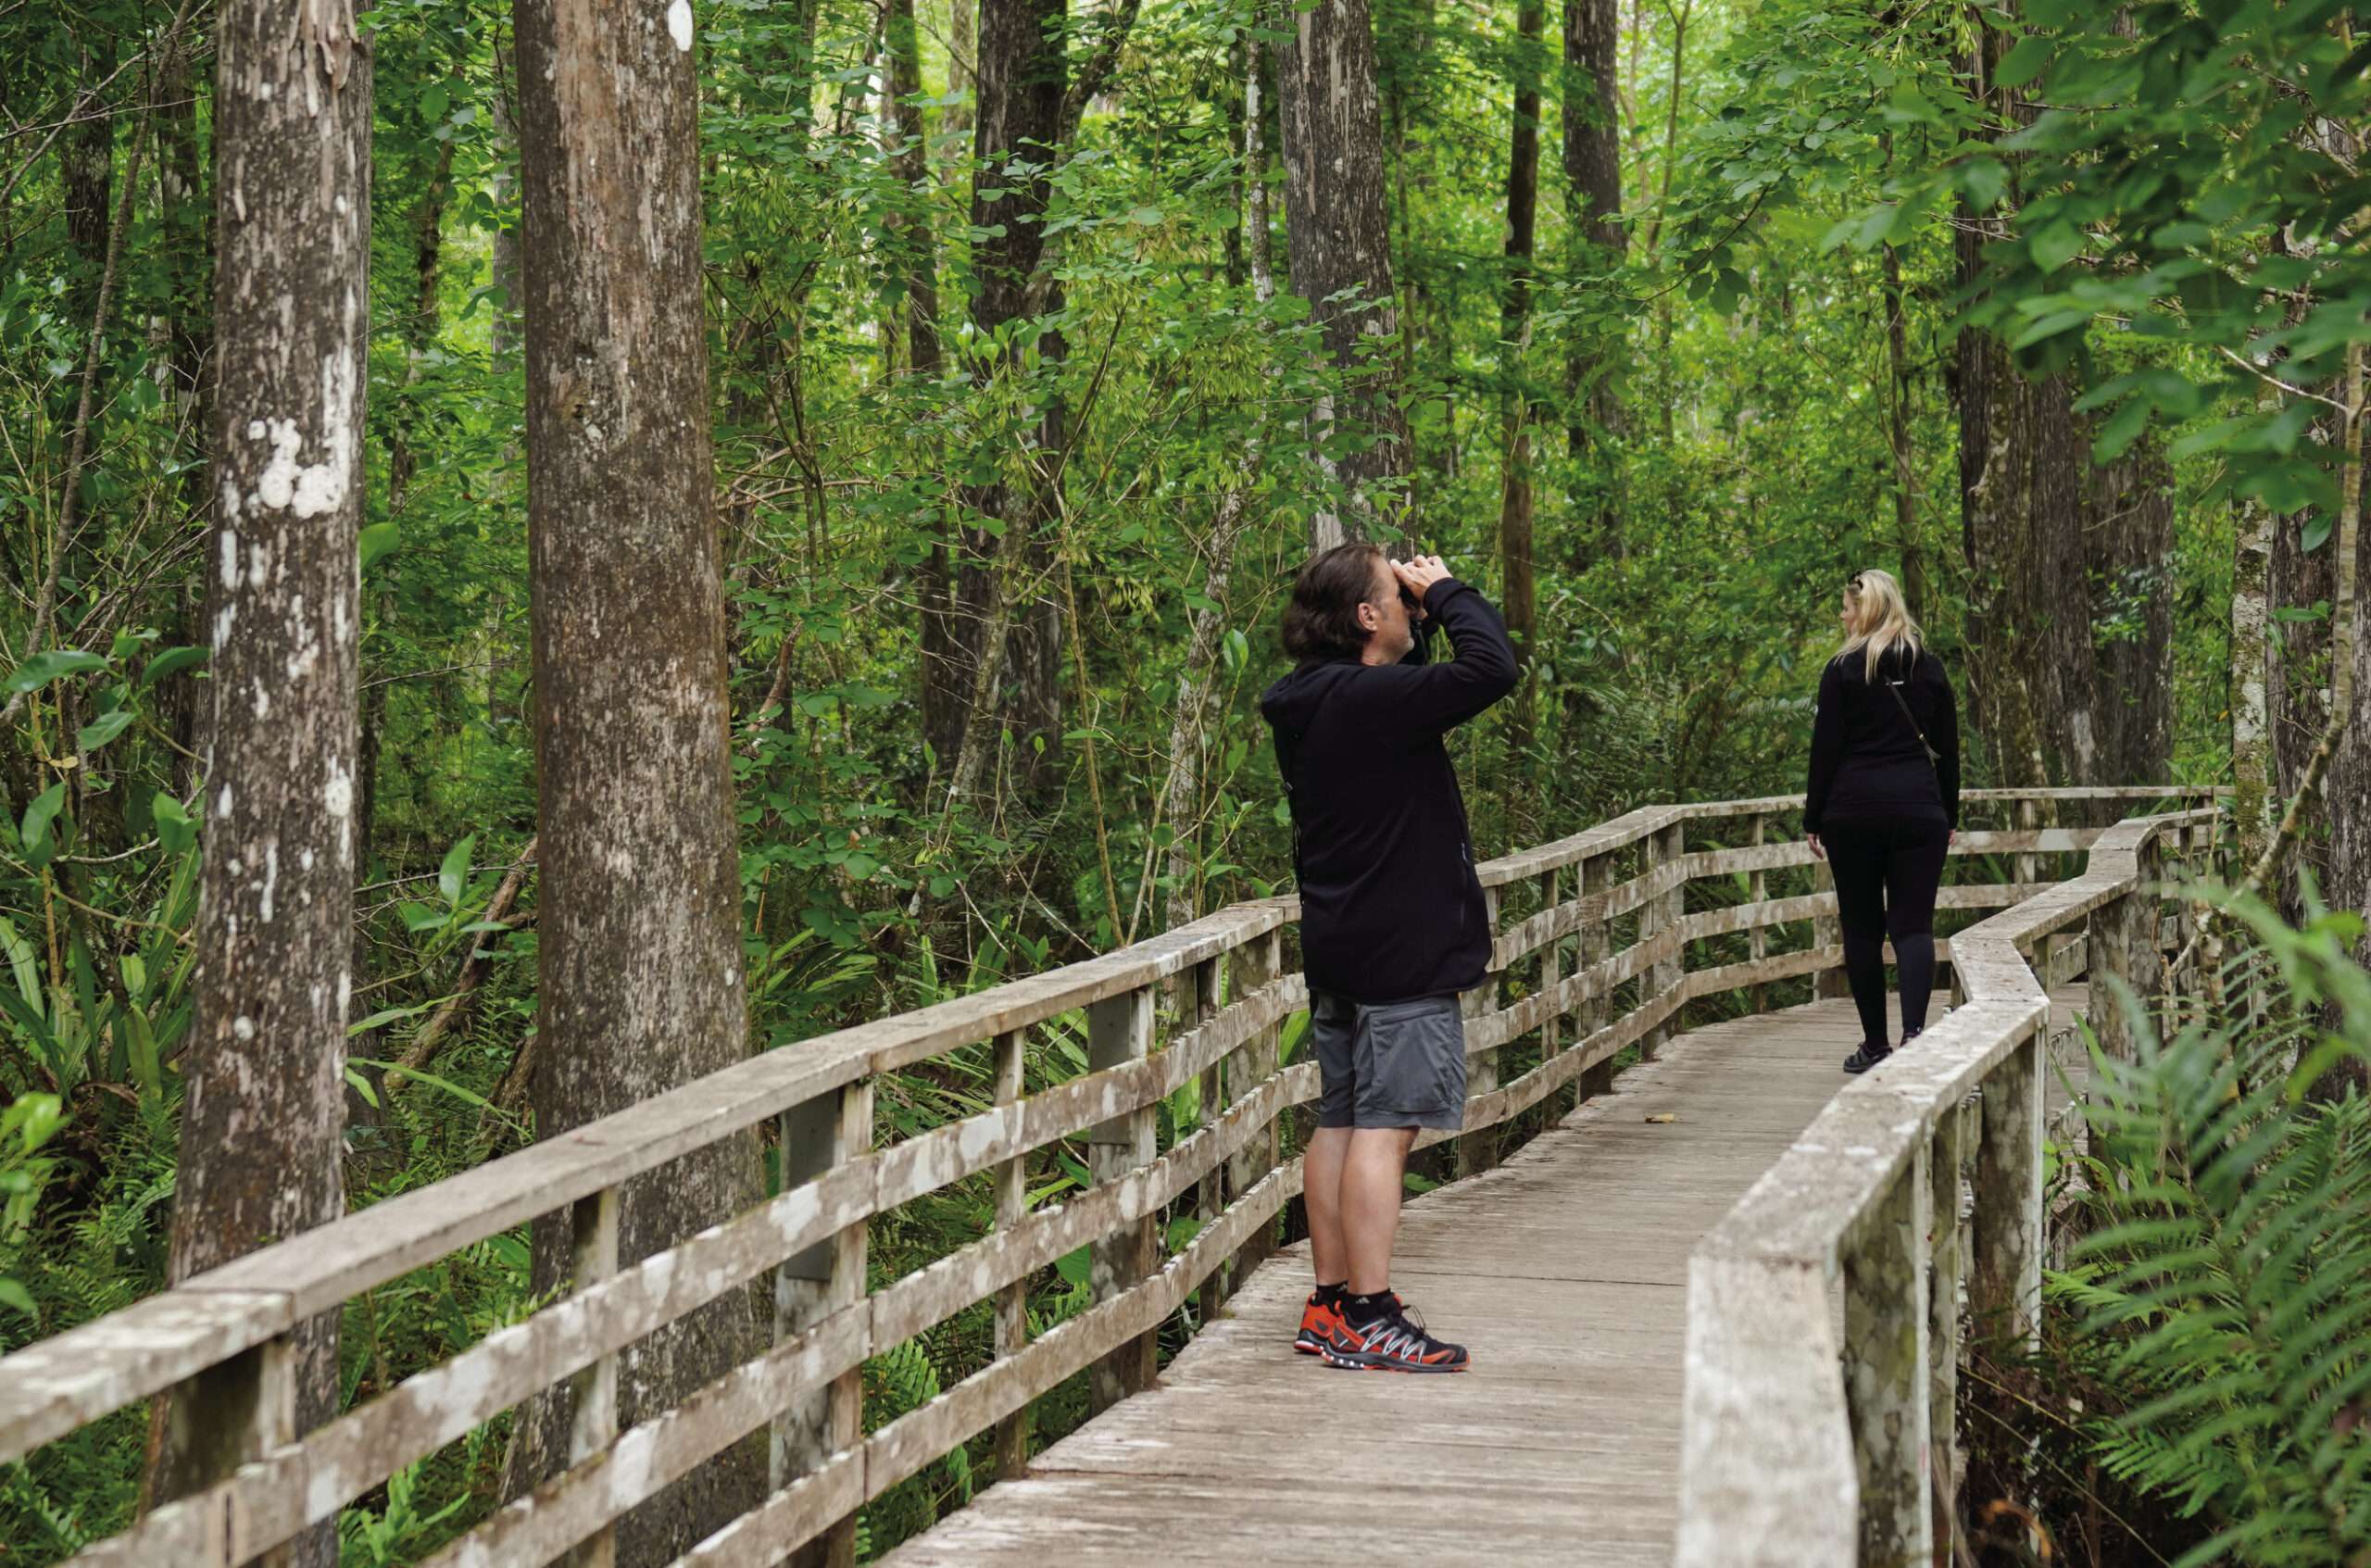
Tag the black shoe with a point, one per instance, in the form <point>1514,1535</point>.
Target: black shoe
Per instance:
<point>1392,1342</point>
<point>1867,1055</point>
<point>1909,1035</point>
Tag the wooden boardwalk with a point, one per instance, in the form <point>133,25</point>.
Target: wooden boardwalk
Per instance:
<point>1564,1271</point>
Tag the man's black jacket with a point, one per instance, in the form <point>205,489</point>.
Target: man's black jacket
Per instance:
<point>1389,905</point>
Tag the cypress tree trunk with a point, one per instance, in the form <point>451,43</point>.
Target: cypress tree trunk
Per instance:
<point>2253,805</point>
<point>639,950</point>
<point>1340,233</point>
<point>1514,334</point>
<point>2129,538</point>
<point>262,1123</point>
<point>1593,207</point>
<point>1022,73</point>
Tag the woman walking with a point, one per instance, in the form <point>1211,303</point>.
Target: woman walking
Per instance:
<point>1884,802</point>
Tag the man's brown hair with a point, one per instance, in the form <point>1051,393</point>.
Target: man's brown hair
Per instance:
<point>1322,620</point>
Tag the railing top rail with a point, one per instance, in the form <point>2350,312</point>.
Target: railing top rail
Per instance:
<point>1628,829</point>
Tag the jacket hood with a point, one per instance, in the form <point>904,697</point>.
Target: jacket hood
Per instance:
<point>1295,698</point>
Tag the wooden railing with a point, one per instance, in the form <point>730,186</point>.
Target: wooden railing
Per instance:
<point>1597,951</point>
<point>1805,1450</point>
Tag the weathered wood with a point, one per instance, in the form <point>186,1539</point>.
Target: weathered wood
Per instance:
<point>1254,966</point>
<point>1885,1367</point>
<point>1199,1003</point>
<point>821,1285</point>
<point>1980,1043</point>
<point>1828,933</point>
<point>592,1416</point>
<point>56,1385</point>
<point>1757,894</point>
<point>649,1458</point>
<point>1949,1255</point>
<point>1012,1300</point>
<point>1595,1008</point>
<point>1477,1150</point>
<point>2004,1282</point>
<point>297,1485</point>
<point>1119,1030</point>
<point>1552,968</point>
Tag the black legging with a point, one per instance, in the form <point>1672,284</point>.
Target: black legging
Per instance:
<point>1885,877</point>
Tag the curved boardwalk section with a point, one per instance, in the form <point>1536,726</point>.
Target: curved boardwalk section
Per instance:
<point>1565,1271</point>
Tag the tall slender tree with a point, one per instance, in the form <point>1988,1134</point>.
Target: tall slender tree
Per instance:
<point>1516,510</point>
<point>639,957</point>
<point>1338,229</point>
<point>262,1125</point>
<point>1592,115</point>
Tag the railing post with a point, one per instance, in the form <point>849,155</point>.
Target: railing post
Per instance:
<point>1552,968</point>
<point>2026,863</point>
<point>593,1420</point>
<point>1950,1259</point>
<point>818,1135</point>
<point>232,1412</point>
<point>2123,946</point>
<point>1477,1148</point>
<point>1596,946</point>
<point>1830,981</point>
<point>2004,1284</point>
<point>1197,1003</point>
<point>1673,971</point>
<point>1254,966</point>
<point>1119,1030</point>
<point>1886,1366</point>
<point>1757,936</point>
<point>1013,1302</point>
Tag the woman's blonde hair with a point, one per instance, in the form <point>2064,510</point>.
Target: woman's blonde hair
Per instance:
<point>1880,619</point>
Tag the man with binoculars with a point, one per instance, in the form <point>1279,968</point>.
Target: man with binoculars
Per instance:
<point>1392,920</point>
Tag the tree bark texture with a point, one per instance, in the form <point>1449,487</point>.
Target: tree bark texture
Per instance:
<point>1256,222</point>
<point>911,162</point>
<point>639,970</point>
<point>2336,849</point>
<point>1515,521</point>
<point>2128,552</point>
<point>1022,73</point>
<point>1593,187</point>
<point>262,1122</point>
<point>2253,805</point>
<point>1897,438</point>
<point>1338,233</point>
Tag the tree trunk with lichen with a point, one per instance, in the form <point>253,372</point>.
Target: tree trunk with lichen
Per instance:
<point>262,1121</point>
<point>639,952</point>
<point>1338,229</point>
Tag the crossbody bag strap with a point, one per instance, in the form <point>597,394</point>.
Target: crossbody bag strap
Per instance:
<point>1933,758</point>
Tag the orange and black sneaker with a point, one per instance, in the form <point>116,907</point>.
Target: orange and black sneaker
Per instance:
<point>1391,1341</point>
<point>1321,1316</point>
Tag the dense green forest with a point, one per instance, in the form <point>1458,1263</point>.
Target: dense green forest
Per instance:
<point>1041,345</point>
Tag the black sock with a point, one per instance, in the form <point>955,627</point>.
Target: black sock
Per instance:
<point>1330,1295</point>
<point>1864,966</point>
<point>1366,1309</point>
<point>1914,956</point>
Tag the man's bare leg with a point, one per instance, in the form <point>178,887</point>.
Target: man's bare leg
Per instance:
<point>1370,1203</point>
<point>1321,1195</point>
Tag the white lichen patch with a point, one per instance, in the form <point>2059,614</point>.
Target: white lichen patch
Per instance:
<point>244,1027</point>
<point>310,489</point>
<point>339,795</point>
<point>230,551</point>
<point>679,25</point>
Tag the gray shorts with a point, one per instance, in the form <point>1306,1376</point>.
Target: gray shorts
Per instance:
<point>1400,1064</point>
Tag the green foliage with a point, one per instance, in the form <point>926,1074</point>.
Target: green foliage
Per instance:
<point>2230,1268</point>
